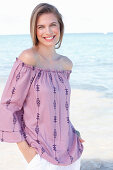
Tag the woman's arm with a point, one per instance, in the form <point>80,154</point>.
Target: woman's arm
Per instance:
<point>27,151</point>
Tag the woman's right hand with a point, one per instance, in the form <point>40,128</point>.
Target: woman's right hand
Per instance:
<point>31,154</point>
<point>27,151</point>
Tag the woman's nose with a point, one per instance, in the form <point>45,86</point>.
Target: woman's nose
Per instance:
<point>48,30</point>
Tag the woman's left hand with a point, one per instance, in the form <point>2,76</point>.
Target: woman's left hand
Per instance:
<point>81,140</point>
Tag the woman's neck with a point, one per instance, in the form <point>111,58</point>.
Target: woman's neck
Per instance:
<point>47,53</point>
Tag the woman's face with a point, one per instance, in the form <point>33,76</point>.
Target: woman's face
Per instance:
<point>48,29</point>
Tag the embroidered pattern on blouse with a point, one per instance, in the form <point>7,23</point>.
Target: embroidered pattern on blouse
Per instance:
<point>22,130</point>
<point>37,129</point>
<point>54,118</point>
<point>66,107</point>
<point>14,121</point>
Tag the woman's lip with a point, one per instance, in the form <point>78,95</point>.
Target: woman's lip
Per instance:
<point>49,37</point>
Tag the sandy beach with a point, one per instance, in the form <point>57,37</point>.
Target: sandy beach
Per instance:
<point>91,114</point>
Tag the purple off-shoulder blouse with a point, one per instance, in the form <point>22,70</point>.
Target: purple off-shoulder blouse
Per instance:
<point>35,107</point>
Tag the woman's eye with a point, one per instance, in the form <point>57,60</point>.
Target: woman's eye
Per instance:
<point>40,27</point>
<point>53,25</point>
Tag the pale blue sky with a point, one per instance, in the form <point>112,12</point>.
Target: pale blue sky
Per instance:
<point>78,15</point>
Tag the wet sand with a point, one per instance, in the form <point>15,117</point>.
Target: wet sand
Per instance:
<point>92,115</point>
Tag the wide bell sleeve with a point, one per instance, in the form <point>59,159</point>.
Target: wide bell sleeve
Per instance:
<point>12,102</point>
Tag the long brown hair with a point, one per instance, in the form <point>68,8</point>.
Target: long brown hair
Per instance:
<point>39,10</point>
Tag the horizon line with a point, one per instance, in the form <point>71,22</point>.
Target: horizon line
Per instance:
<point>65,33</point>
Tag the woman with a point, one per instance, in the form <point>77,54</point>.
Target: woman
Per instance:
<point>34,108</point>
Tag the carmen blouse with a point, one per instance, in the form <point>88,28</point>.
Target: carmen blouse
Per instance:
<point>35,107</point>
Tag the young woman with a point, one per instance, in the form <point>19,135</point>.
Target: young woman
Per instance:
<point>34,108</point>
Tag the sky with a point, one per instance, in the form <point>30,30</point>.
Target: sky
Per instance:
<point>79,16</point>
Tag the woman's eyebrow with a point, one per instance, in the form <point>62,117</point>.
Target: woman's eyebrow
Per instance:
<point>50,23</point>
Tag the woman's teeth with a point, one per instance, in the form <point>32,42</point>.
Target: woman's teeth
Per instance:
<point>49,38</point>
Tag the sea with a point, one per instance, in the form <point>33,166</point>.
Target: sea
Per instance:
<point>91,54</point>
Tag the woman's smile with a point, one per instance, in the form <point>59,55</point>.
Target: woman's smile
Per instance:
<point>49,38</point>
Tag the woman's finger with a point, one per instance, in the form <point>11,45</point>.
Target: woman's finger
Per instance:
<point>81,140</point>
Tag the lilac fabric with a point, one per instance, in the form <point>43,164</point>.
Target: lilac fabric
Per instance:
<point>35,107</point>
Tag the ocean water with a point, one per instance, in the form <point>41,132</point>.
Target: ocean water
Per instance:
<point>91,54</point>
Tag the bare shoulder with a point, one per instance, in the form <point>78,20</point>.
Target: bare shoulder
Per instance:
<point>67,63</point>
<point>27,57</point>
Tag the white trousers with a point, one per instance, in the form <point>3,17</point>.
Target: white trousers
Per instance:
<point>39,163</point>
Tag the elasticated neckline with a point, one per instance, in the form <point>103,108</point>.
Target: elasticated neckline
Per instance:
<point>42,69</point>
